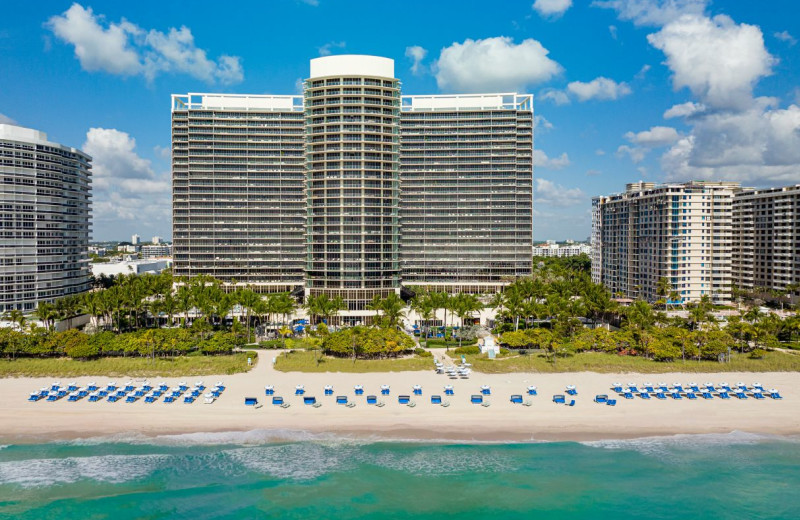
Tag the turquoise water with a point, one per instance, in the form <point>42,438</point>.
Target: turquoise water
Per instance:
<point>256,475</point>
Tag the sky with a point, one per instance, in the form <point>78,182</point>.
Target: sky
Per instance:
<point>624,90</point>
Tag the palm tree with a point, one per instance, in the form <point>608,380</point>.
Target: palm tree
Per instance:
<point>391,308</point>
<point>184,302</point>
<point>283,304</point>
<point>248,299</point>
<point>16,316</point>
<point>93,306</point>
<point>466,305</point>
<point>324,307</point>
<point>663,289</point>
<point>423,305</point>
<point>46,312</point>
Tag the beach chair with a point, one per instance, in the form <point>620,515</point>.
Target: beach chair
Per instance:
<point>758,386</point>
<point>83,392</point>
<point>163,387</point>
<point>571,403</point>
<point>146,387</point>
<point>196,392</point>
<point>220,385</point>
<point>676,395</point>
<point>448,390</point>
<point>73,396</point>
<point>269,390</point>
<point>169,399</point>
<point>691,396</point>
<point>53,396</point>
<point>627,395</point>
<point>372,399</point>
<point>139,392</point>
<point>34,396</point>
<point>182,386</point>
<point>113,398</point>
<point>72,387</point>
<point>299,391</point>
<point>601,399</point>
<point>150,399</point>
<point>758,395</point>
<point>775,394</point>
<point>102,393</point>
<point>341,399</point>
<point>571,390</point>
<point>611,402</point>
<point>189,399</point>
<point>559,399</point>
<point>485,390</point>
<point>309,400</point>
<point>436,399</point>
<point>417,390</point>
<point>617,387</point>
<point>131,399</point>
<point>62,393</point>
<point>723,395</point>
<point>328,390</point>
<point>94,397</point>
<point>44,391</point>
<point>208,398</point>
<point>384,389</point>
<point>694,388</point>
<point>649,389</point>
<point>129,388</point>
<point>92,387</point>
<point>476,399</point>
<point>660,395</point>
<point>644,395</point>
<point>359,390</point>
<point>110,387</point>
<point>531,390</point>
<point>706,395</point>
<point>634,389</point>
<point>662,387</point>
<point>740,395</point>
<point>156,393</point>
<point>403,399</point>
<point>216,392</point>
<point>516,398</point>
<point>277,400</point>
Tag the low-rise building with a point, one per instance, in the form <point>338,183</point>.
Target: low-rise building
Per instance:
<point>130,267</point>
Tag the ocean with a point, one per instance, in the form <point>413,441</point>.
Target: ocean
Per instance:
<point>288,475</point>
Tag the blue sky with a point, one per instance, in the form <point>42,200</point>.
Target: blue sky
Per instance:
<point>657,90</point>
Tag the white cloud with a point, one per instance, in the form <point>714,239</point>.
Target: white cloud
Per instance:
<point>126,49</point>
<point>416,54</point>
<point>5,120</point>
<point>164,152</point>
<point>593,173</point>
<point>541,124</point>
<point>600,152</point>
<point>599,88</point>
<point>656,137</point>
<point>642,72</point>
<point>612,30</point>
<point>636,153</point>
<point>653,12</point>
<point>687,109</point>
<point>493,65</point>
<point>313,3</point>
<point>556,96</point>
<point>126,191</point>
<point>718,60</point>
<point>328,48</point>
<point>552,194</point>
<point>552,8</point>
<point>541,160</point>
<point>784,36</point>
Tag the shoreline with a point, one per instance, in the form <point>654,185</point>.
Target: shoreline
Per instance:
<point>35,422</point>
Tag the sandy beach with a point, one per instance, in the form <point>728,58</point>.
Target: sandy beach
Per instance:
<point>23,421</point>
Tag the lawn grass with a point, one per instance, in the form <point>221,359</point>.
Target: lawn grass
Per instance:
<point>128,367</point>
<point>612,363</point>
<point>306,361</point>
<point>441,343</point>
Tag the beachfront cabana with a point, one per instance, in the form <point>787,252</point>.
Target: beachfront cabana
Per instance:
<point>277,400</point>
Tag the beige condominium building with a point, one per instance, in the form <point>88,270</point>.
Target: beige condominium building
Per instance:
<point>766,239</point>
<point>681,232</point>
<point>352,189</point>
<point>45,200</point>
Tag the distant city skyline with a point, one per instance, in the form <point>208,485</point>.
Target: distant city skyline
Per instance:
<point>624,90</point>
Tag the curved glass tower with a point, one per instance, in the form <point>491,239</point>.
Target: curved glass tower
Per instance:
<point>352,111</point>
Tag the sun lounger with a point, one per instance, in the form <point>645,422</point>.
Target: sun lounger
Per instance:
<point>758,395</point>
<point>417,390</point>
<point>634,389</point>
<point>83,392</point>
<point>384,389</point>
<point>74,396</point>
<point>691,395</point>
<point>102,393</point>
<point>146,387</point>
<point>34,397</point>
<point>571,403</point>
<point>723,395</point>
<point>113,398</point>
<point>436,399</point>
<point>559,399</point>
<point>616,387</point>
<point>649,389</point>
<point>660,395</point>
<point>94,397</point>
<point>53,396</point>
<point>216,392</point>
<point>694,388</point>
<point>531,390</point>
<point>309,400</point>
<point>328,390</point>
<point>740,395</point>
<point>516,398</point>
<point>249,401</point>
<point>269,390</point>
<point>138,392</point>
<point>676,395</point>
<point>611,402</point>
<point>72,387</point>
<point>359,390</point>
<point>644,395</point>
<point>706,395</point>
<point>775,394</point>
<point>131,399</point>
<point>341,399</point>
<point>171,399</point>
<point>189,399</point>
<point>163,387</point>
<point>571,390</point>
<point>476,399</point>
<point>601,399</point>
<point>448,390</point>
<point>299,390</point>
<point>150,399</point>
<point>627,395</point>
<point>196,392</point>
<point>277,400</point>
<point>403,399</point>
<point>372,399</point>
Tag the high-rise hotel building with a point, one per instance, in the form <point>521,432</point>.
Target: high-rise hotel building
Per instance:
<point>353,189</point>
<point>45,197</point>
<point>681,232</point>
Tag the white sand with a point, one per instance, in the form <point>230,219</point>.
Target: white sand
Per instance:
<point>22,421</point>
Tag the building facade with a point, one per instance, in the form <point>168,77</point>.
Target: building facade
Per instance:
<point>45,200</point>
<point>153,251</point>
<point>562,251</point>
<point>352,189</point>
<point>766,239</point>
<point>681,232</point>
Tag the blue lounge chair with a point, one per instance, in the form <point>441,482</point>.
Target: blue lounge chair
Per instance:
<point>694,388</point>
<point>139,393</point>
<point>269,390</point>
<point>611,402</point>
<point>146,387</point>
<point>94,398</point>
<point>62,393</point>
<point>403,399</point>
<point>328,391</point>
<point>758,395</point>
<point>248,401</point>
<point>55,396</point>
<point>163,387</point>
<point>649,389</point>
<point>111,387</point>
<point>571,403</point>
<point>516,398</point>
<point>740,395</point>
<point>436,399</point>
<point>72,387</point>
<point>196,392</point>
<point>113,398</point>
<point>775,395</point>
<point>102,393</point>
<point>299,391</point>
<point>644,395</point>
<point>691,395</point>
<point>486,390</point>
<point>91,387</point>
<point>476,399</point>
<point>634,389</point>
<point>663,388</point>
<point>128,388</point>
<point>341,399</point>
<point>571,391</point>
<point>601,399</point>
<point>171,399</point>
<point>74,396</point>
<point>309,400</point>
<point>707,395</point>
<point>277,400</point>
<point>216,392</point>
<point>156,393</point>
<point>359,390</point>
<point>384,391</point>
<point>448,391</point>
<point>182,387</point>
<point>417,391</point>
<point>660,395</point>
<point>131,399</point>
<point>150,399</point>
<point>559,399</point>
<point>676,395</point>
<point>372,399</point>
<point>200,387</point>
<point>34,397</point>
<point>724,395</point>
<point>531,390</point>
<point>189,399</point>
<point>617,388</point>
<point>627,395</point>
